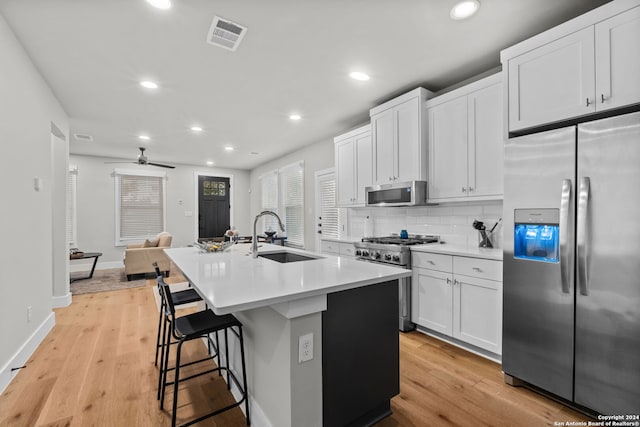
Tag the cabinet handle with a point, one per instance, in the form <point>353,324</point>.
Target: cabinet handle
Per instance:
<point>477,269</point>
<point>430,262</point>
<point>588,102</point>
<point>455,282</point>
<point>390,179</point>
<point>448,281</point>
<point>470,189</point>
<point>602,98</point>
<point>464,190</point>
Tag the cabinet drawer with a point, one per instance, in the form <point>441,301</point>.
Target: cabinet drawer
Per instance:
<point>432,261</point>
<point>347,249</point>
<point>328,247</point>
<point>477,267</point>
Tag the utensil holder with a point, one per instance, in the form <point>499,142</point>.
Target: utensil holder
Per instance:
<point>486,239</point>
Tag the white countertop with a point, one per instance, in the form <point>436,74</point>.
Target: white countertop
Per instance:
<point>460,250</point>
<point>233,281</point>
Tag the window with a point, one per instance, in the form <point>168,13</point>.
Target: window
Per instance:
<point>140,205</point>
<point>282,191</point>
<point>328,213</point>
<point>331,219</point>
<point>72,203</point>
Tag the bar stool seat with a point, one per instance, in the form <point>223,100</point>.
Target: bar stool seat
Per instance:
<point>195,326</point>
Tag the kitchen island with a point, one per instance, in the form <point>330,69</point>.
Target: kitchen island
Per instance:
<point>348,308</point>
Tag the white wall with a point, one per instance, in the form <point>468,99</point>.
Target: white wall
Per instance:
<point>27,110</point>
<point>96,204</point>
<point>316,157</point>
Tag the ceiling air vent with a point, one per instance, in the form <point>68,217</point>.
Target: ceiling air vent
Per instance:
<point>225,33</point>
<point>83,137</point>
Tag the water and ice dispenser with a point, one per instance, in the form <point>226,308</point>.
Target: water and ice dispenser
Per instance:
<point>537,234</point>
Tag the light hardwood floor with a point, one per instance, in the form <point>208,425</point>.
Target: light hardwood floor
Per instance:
<point>96,369</point>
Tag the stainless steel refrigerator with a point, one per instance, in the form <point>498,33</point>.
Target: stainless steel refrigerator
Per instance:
<point>572,263</point>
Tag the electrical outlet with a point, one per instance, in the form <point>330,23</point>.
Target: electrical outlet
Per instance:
<point>29,312</point>
<point>305,348</point>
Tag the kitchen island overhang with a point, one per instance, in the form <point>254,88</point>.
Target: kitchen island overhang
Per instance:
<point>350,305</point>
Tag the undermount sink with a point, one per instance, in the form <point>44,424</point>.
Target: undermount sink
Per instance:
<point>286,257</point>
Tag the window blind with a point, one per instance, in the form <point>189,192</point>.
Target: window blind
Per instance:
<point>292,202</point>
<point>329,213</point>
<point>72,203</point>
<point>269,194</point>
<point>282,191</point>
<point>140,205</point>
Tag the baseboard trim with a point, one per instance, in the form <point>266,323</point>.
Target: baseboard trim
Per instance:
<point>25,351</point>
<point>463,345</point>
<point>75,267</point>
<point>63,301</point>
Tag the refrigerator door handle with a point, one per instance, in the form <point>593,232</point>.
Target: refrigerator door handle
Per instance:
<point>581,238</point>
<point>565,261</point>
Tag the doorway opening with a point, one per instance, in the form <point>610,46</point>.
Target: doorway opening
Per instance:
<point>214,206</point>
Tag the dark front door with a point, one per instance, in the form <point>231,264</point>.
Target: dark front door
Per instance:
<point>213,206</point>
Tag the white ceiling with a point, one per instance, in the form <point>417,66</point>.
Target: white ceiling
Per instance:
<point>296,56</point>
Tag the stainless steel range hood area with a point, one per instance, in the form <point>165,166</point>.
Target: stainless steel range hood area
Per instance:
<point>409,193</point>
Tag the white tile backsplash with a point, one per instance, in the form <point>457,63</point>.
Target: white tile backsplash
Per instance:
<point>453,223</point>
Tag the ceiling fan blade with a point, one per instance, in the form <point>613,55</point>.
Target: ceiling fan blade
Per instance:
<point>161,165</point>
<point>106,163</point>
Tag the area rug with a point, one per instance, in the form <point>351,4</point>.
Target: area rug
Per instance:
<point>111,279</point>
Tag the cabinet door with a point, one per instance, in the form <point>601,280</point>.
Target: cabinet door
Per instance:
<point>618,60</point>
<point>477,312</point>
<point>408,144</point>
<point>364,166</point>
<point>345,172</point>
<point>486,142</point>
<point>448,149</point>
<point>382,128</point>
<point>432,297</point>
<point>554,82</point>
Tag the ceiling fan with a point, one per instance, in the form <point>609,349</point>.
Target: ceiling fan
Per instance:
<point>142,160</point>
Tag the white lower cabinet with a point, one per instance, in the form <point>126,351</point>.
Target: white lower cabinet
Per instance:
<point>459,297</point>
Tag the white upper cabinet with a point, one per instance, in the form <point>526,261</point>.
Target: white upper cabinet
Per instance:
<point>399,136</point>
<point>618,60</point>
<point>552,83</point>
<point>466,138</point>
<point>354,166</point>
<point>586,65</point>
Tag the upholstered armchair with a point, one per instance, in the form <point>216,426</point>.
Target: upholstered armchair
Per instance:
<point>139,258</point>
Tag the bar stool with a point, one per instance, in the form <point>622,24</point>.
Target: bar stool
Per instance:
<point>186,296</point>
<point>194,326</point>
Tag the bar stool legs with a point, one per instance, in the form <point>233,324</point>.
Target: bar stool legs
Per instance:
<point>194,326</point>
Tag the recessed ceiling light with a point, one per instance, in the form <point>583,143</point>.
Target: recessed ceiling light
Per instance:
<point>229,148</point>
<point>464,9</point>
<point>295,117</point>
<point>144,137</point>
<point>196,128</point>
<point>254,153</point>
<point>149,84</point>
<point>359,75</point>
<point>209,163</point>
<point>160,4</point>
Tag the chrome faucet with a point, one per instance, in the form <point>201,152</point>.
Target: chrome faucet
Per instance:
<point>254,238</point>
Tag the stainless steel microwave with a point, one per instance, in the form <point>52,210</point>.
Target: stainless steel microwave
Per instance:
<point>411,193</point>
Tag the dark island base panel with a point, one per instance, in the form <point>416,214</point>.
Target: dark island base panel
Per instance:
<point>360,355</point>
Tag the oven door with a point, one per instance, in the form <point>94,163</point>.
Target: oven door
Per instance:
<point>404,298</point>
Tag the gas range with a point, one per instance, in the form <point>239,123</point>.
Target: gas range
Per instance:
<point>390,249</point>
